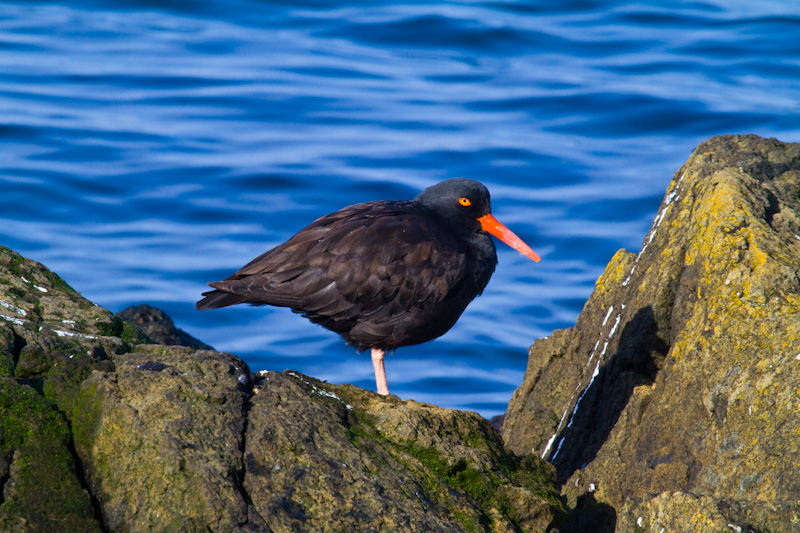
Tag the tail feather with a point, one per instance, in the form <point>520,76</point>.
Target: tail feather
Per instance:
<point>217,299</point>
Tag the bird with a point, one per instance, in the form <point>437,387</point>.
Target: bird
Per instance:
<point>381,274</point>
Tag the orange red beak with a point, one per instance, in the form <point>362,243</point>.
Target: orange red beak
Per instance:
<point>490,224</point>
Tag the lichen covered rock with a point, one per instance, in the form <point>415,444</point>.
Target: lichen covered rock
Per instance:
<point>683,511</point>
<point>51,339</point>
<point>682,373</point>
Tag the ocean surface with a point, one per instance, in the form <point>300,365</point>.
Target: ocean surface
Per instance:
<point>151,147</point>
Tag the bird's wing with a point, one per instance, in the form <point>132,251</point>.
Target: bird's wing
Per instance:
<point>367,259</point>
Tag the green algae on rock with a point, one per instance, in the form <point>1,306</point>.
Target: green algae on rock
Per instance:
<point>41,490</point>
<point>682,373</point>
<point>37,299</point>
<point>164,443</point>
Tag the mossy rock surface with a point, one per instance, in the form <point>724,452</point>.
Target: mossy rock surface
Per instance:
<point>321,457</point>
<point>33,297</point>
<point>50,336</point>
<point>161,439</point>
<point>173,440</point>
<point>41,490</point>
<point>682,373</point>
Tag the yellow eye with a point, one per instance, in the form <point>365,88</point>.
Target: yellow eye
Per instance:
<point>464,201</point>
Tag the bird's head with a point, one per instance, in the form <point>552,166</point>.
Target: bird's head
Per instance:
<point>465,206</point>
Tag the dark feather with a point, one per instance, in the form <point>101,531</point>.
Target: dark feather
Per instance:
<point>381,274</point>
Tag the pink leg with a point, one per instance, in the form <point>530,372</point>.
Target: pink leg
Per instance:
<point>380,371</point>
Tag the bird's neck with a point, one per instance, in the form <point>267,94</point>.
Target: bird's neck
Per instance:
<point>484,256</point>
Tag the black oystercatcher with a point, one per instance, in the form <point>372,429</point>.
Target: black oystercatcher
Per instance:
<point>381,274</point>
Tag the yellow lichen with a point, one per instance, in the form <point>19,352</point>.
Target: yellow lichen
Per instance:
<point>615,272</point>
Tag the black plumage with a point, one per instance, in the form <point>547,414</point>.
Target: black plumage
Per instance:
<point>381,274</point>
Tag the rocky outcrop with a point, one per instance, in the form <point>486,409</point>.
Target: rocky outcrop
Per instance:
<point>161,439</point>
<point>102,430</point>
<point>319,455</point>
<point>159,327</point>
<point>674,402</point>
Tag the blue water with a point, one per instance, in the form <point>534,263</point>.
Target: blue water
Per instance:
<point>154,146</point>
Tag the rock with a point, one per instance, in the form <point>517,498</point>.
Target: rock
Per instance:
<point>684,511</point>
<point>101,431</point>
<point>41,490</point>
<point>161,439</point>
<point>164,443</point>
<point>321,457</point>
<point>50,336</point>
<point>497,422</point>
<point>681,376</point>
<point>159,327</point>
